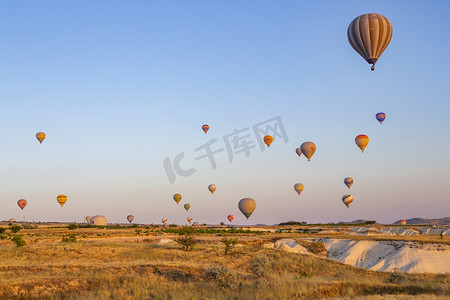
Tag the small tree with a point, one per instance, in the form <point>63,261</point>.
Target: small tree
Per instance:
<point>15,228</point>
<point>72,226</point>
<point>229,243</point>
<point>186,240</point>
<point>18,240</point>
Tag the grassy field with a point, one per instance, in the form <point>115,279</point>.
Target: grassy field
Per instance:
<point>130,263</point>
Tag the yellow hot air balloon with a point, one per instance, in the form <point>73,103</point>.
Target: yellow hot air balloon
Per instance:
<point>298,187</point>
<point>40,136</point>
<point>187,206</point>
<point>130,218</point>
<point>189,220</point>
<point>348,181</point>
<point>88,219</point>
<point>247,206</point>
<point>177,198</point>
<point>347,199</point>
<point>164,221</point>
<point>61,199</point>
<point>308,149</point>
<point>369,35</point>
<point>362,141</point>
<point>268,139</point>
<point>212,188</point>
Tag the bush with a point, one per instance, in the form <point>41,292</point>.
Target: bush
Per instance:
<point>69,238</point>
<point>187,242</point>
<point>2,229</point>
<point>396,277</point>
<point>260,266</point>
<point>138,231</point>
<point>15,228</point>
<point>29,226</point>
<point>18,240</point>
<point>229,243</point>
<point>224,277</point>
<point>3,236</point>
<point>72,226</point>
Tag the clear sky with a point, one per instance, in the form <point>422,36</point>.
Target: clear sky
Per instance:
<point>121,86</point>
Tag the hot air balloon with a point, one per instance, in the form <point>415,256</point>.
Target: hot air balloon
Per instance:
<point>212,188</point>
<point>61,199</point>
<point>196,224</point>
<point>298,187</point>
<point>402,222</point>
<point>22,203</point>
<point>230,218</point>
<point>380,117</point>
<point>189,220</point>
<point>348,181</point>
<point>88,219</point>
<point>247,206</point>
<point>361,141</point>
<point>164,221</point>
<point>308,149</point>
<point>130,218</point>
<point>298,151</point>
<point>268,139</point>
<point>187,206</point>
<point>369,35</point>
<point>205,128</point>
<point>347,199</point>
<point>98,221</point>
<point>40,136</point>
<point>177,198</point>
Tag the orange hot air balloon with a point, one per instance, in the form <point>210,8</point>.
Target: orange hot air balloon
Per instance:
<point>230,218</point>
<point>61,199</point>
<point>189,220</point>
<point>22,203</point>
<point>361,141</point>
<point>40,136</point>
<point>402,222</point>
<point>298,151</point>
<point>164,221</point>
<point>212,188</point>
<point>205,128</point>
<point>268,139</point>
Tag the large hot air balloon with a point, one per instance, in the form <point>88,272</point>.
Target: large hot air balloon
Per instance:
<point>380,117</point>
<point>347,199</point>
<point>247,206</point>
<point>298,187</point>
<point>88,219</point>
<point>268,139</point>
<point>205,128</point>
<point>40,136</point>
<point>98,221</point>
<point>348,181</point>
<point>298,151</point>
<point>130,218</point>
<point>369,35</point>
<point>61,199</point>
<point>187,206</point>
<point>308,149</point>
<point>361,141</point>
<point>189,219</point>
<point>402,222</point>
<point>230,218</point>
<point>212,188</point>
<point>22,203</point>
<point>177,198</point>
<point>164,221</point>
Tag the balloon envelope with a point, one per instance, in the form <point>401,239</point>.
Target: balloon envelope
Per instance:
<point>61,199</point>
<point>164,221</point>
<point>402,222</point>
<point>380,117</point>
<point>212,188</point>
<point>230,218</point>
<point>189,220</point>
<point>22,203</point>
<point>369,35</point>
<point>362,141</point>
<point>187,206</point>
<point>247,206</point>
<point>298,151</point>
<point>347,199</point>
<point>298,187</point>
<point>88,219</point>
<point>177,198</point>
<point>40,136</point>
<point>130,218</point>
<point>205,128</point>
<point>308,149</point>
<point>98,221</point>
<point>348,181</point>
<point>268,139</point>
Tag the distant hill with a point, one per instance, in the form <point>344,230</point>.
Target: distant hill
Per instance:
<point>359,221</point>
<point>421,221</point>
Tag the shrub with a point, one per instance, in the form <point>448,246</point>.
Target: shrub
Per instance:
<point>18,240</point>
<point>187,242</point>
<point>2,229</point>
<point>138,231</point>
<point>69,238</point>
<point>396,277</point>
<point>15,228</point>
<point>3,236</point>
<point>224,277</point>
<point>29,226</point>
<point>229,243</point>
<point>72,226</point>
<point>260,266</point>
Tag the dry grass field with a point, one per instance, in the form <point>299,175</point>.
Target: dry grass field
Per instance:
<point>132,263</point>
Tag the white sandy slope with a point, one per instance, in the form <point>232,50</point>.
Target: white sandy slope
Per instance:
<point>407,257</point>
<point>287,245</point>
<point>398,231</point>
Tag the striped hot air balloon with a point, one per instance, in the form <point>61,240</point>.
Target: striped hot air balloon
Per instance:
<point>380,117</point>
<point>348,181</point>
<point>362,141</point>
<point>212,188</point>
<point>347,199</point>
<point>230,218</point>
<point>205,128</point>
<point>369,35</point>
<point>189,220</point>
<point>61,199</point>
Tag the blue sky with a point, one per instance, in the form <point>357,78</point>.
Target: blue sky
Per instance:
<point>119,86</point>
